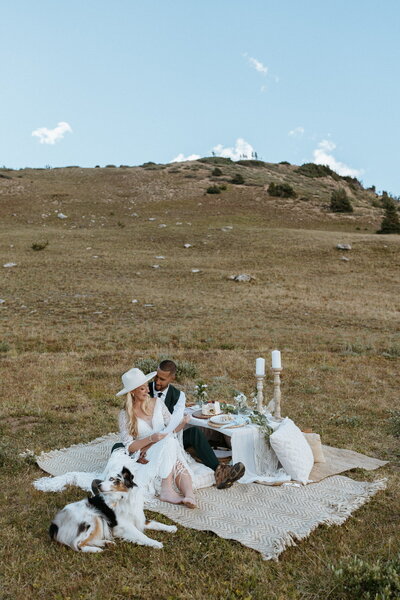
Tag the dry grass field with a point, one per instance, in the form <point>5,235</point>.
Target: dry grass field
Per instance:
<point>70,328</point>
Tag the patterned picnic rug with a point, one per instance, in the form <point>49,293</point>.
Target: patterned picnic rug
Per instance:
<point>265,518</point>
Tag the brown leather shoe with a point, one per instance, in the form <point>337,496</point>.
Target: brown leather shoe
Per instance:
<point>226,475</point>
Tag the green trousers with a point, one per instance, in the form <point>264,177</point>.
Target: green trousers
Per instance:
<point>194,437</point>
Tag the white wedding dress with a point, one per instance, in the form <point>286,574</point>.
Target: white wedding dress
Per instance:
<point>164,457</point>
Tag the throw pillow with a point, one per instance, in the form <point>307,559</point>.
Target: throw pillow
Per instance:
<point>292,450</point>
<point>314,439</point>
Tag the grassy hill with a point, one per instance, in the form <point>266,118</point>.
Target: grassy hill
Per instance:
<point>70,328</point>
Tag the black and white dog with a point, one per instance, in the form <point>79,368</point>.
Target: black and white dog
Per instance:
<point>115,510</point>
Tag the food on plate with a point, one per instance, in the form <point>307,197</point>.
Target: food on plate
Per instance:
<point>222,419</point>
<point>211,408</point>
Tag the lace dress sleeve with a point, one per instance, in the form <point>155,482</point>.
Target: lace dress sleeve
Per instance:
<point>125,436</point>
<point>165,413</point>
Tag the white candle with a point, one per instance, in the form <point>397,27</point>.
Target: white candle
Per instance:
<point>260,366</point>
<point>276,359</point>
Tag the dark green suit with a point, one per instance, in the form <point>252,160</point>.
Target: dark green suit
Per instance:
<point>192,436</point>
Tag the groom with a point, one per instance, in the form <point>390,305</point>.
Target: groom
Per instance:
<point>174,400</point>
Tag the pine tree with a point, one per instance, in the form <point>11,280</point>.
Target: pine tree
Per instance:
<point>390,222</point>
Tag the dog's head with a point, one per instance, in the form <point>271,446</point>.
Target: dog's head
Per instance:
<point>121,482</point>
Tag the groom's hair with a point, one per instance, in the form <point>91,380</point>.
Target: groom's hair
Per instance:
<point>168,365</point>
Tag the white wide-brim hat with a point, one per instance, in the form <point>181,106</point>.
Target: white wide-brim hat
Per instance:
<point>133,379</point>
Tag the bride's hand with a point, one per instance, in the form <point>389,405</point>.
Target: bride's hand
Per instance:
<point>185,420</point>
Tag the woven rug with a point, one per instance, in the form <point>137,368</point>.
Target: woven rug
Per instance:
<point>93,456</point>
<point>270,519</point>
<point>267,519</point>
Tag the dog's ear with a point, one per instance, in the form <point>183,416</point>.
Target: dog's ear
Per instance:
<point>95,487</point>
<point>128,477</point>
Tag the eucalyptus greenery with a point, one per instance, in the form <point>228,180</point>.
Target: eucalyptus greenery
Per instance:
<point>261,420</point>
<point>255,417</point>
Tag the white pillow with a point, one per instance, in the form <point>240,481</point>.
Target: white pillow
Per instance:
<point>292,450</point>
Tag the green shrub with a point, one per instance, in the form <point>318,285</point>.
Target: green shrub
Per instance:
<point>223,186</point>
<point>390,222</point>
<point>284,162</point>
<point>392,351</point>
<point>216,172</point>
<point>357,579</point>
<point>152,166</point>
<point>213,189</point>
<point>377,203</point>
<point>110,167</point>
<point>39,245</point>
<point>313,170</point>
<point>352,181</point>
<point>340,202</point>
<point>237,179</point>
<point>215,160</point>
<point>281,190</point>
<point>184,368</point>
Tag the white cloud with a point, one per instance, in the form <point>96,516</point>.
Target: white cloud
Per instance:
<point>257,65</point>
<point>297,131</point>
<point>51,136</point>
<point>241,148</point>
<point>322,156</point>
<point>182,158</point>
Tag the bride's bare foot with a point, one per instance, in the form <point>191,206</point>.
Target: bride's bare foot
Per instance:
<point>170,496</point>
<point>189,502</point>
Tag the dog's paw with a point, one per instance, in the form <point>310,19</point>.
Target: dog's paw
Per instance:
<point>172,528</point>
<point>156,544</point>
<point>91,549</point>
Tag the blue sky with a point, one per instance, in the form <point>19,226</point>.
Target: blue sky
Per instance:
<point>91,82</point>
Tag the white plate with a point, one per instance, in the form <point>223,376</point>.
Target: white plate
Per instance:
<point>222,419</point>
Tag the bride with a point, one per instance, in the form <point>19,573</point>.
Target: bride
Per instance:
<point>141,423</point>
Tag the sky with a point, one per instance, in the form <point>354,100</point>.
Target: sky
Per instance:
<point>91,83</point>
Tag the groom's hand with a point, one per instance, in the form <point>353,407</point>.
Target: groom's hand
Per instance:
<point>142,457</point>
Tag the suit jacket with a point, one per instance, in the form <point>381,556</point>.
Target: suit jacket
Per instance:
<point>171,398</point>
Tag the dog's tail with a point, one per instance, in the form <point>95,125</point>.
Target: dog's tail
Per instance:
<point>53,531</point>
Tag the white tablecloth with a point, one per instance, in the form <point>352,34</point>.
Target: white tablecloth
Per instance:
<point>249,447</point>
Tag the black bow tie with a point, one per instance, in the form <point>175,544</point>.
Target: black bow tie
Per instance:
<point>159,394</point>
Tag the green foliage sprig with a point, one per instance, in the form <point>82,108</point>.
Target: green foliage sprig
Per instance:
<point>261,420</point>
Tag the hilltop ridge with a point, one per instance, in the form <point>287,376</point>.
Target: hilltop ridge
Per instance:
<point>32,193</point>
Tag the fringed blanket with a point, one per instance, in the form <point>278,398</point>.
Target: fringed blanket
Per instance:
<point>267,519</point>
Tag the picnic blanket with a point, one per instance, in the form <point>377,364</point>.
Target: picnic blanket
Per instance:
<point>265,518</point>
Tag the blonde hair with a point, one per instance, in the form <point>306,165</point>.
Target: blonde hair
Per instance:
<point>132,418</point>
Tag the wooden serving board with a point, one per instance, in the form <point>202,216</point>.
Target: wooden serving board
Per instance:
<point>199,415</point>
